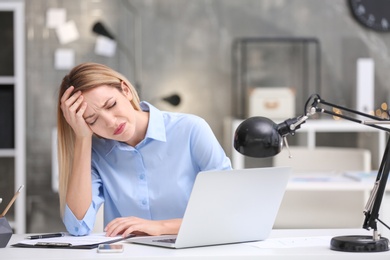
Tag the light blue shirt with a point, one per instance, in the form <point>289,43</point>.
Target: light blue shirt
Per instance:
<point>154,179</point>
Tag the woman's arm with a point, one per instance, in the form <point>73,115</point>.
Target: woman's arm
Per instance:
<point>139,226</point>
<point>79,193</point>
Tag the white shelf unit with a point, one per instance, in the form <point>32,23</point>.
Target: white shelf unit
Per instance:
<point>312,128</point>
<point>18,152</point>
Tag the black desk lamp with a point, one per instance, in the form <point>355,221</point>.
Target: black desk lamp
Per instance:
<point>261,137</point>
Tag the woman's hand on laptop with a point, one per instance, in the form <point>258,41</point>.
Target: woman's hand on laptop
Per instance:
<point>139,226</point>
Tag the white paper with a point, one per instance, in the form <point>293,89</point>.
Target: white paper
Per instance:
<point>67,32</point>
<point>105,46</point>
<point>55,17</point>
<point>64,59</point>
<point>92,239</point>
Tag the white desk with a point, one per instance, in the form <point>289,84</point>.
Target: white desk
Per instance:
<point>233,251</point>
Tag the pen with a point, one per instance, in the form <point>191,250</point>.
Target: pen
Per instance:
<point>12,201</point>
<point>61,234</point>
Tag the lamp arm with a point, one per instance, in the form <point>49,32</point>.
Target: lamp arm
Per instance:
<point>371,210</point>
<point>316,108</point>
<point>321,101</point>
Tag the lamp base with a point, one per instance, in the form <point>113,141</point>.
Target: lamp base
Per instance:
<point>359,244</point>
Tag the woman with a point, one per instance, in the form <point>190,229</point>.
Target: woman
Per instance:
<point>139,161</point>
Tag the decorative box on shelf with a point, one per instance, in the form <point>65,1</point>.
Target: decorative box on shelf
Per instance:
<point>272,102</point>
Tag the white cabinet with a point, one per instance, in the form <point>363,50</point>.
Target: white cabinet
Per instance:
<point>12,105</point>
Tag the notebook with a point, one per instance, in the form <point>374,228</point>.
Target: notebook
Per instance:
<point>228,207</point>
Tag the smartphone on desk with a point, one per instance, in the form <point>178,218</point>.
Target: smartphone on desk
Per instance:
<point>110,248</point>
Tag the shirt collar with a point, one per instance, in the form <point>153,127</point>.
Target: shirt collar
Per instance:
<point>156,130</point>
<point>156,125</point>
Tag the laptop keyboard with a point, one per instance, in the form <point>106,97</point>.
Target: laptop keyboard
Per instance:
<point>166,240</point>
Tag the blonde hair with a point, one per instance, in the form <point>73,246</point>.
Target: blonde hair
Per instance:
<point>83,77</point>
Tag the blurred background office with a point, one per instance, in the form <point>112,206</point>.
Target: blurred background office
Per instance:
<point>186,49</point>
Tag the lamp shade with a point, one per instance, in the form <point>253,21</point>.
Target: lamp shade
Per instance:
<point>258,137</point>
<point>174,99</point>
<point>100,29</point>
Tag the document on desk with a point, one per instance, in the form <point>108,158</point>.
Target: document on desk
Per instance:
<point>69,241</point>
<point>292,242</point>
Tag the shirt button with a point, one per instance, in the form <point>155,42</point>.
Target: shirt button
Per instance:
<point>76,229</point>
<point>144,202</point>
<point>142,176</point>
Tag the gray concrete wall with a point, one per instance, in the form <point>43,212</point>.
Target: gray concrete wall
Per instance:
<point>186,48</point>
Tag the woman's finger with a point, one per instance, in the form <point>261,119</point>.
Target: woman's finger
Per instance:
<point>72,99</point>
<point>67,94</point>
<point>82,108</point>
<point>118,225</point>
<point>75,105</point>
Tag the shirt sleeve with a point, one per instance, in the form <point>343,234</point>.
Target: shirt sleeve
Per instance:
<point>206,150</point>
<point>79,227</point>
<point>84,226</point>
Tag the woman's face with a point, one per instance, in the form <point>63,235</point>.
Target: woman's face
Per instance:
<point>109,113</point>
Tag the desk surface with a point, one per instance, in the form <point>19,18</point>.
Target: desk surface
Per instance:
<point>331,185</point>
<point>233,251</point>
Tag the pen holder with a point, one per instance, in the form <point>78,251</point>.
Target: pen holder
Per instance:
<point>5,232</point>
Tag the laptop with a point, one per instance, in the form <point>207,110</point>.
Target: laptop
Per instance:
<point>226,207</point>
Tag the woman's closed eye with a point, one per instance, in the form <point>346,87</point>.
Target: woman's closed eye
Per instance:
<point>93,120</point>
<point>112,105</point>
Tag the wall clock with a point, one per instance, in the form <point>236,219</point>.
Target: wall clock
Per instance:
<point>373,14</point>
